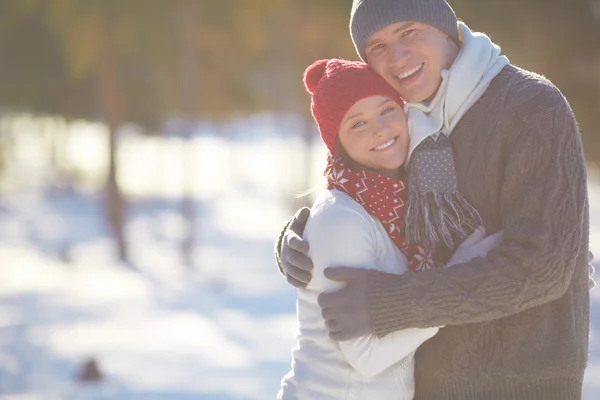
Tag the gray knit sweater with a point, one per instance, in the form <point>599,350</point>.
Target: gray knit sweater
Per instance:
<point>517,321</point>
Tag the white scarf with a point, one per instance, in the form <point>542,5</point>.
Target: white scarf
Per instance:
<point>478,62</point>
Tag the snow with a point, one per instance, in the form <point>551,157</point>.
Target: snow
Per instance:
<point>159,330</point>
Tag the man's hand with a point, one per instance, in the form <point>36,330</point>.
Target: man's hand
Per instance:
<point>294,252</point>
<point>346,311</point>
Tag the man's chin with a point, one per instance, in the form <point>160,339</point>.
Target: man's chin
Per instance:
<point>411,93</point>
<point>417,96</point>
<point>411,98</point>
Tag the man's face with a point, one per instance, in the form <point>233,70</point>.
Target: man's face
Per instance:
<point>410,56</point>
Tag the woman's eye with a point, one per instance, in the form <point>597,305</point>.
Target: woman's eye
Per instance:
<point>358,124</point>
<point>388,110</point>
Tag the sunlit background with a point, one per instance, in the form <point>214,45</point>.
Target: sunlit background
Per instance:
<point>150,152</point>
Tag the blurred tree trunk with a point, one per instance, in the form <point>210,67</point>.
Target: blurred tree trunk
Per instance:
<point>112,100</point>
<point>4,151</point>
<point>187,47</point>
<point>289,94</point>
<point>3,158</point>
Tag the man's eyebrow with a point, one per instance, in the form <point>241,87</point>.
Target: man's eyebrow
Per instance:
<point>404,26</point>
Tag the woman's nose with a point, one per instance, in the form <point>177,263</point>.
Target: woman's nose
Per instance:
<point>381,127</point>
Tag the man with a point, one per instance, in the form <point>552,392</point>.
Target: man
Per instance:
<point>517,321</point>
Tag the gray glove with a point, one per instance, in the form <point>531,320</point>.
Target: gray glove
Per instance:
<point>295,263</point>
<point>346,311</point>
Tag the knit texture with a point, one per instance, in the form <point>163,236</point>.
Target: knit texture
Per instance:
<point>369,16</point>
<point>517,321</point>
<point>335,86</point>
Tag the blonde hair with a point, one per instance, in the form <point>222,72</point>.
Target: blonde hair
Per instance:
<point>340,152</point>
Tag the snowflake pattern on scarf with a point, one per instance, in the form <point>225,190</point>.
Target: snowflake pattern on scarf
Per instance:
<point>383,198</point>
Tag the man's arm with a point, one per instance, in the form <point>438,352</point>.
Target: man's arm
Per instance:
<point>544,201</point>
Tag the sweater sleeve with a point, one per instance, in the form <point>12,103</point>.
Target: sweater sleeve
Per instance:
<point>543,203</point>
<point>342,236</point>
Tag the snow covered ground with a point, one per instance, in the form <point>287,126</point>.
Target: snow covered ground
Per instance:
<point>222,330</point>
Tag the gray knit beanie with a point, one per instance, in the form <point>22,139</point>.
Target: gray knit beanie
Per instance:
<point>369,16</point>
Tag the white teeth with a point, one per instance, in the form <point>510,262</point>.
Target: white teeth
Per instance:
<point>385,145</point>
<point>410,71</point>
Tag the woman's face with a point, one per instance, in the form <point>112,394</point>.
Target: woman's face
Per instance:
<point>374,133</point>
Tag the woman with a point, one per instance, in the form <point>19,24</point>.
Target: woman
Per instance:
<point>358,222</point>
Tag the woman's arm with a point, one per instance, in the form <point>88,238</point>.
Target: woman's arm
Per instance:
<point>341,235</point>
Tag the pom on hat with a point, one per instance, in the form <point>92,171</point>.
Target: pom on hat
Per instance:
<point>313,75</point>
<point>335,86</point>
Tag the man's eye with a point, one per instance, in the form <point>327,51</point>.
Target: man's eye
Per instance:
<point>407,32</point>
<point>376,47</point>
<point>388,110</point>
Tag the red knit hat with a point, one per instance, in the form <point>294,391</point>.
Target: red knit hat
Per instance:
<point>336,85</point>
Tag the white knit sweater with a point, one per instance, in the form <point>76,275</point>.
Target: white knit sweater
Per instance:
<point>341,233</point>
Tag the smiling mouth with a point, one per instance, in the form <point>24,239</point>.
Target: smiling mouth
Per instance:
<point>410,72</point>
<point>385,145</point>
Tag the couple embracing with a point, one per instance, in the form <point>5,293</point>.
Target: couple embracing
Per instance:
<point>448,257</point>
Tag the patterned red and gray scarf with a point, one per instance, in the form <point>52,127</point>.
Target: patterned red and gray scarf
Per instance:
<point>383,198</point>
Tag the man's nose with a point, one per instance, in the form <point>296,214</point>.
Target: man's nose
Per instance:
<point>399,54</point>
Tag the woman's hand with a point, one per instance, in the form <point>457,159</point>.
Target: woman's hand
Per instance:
<point>476,245</point>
